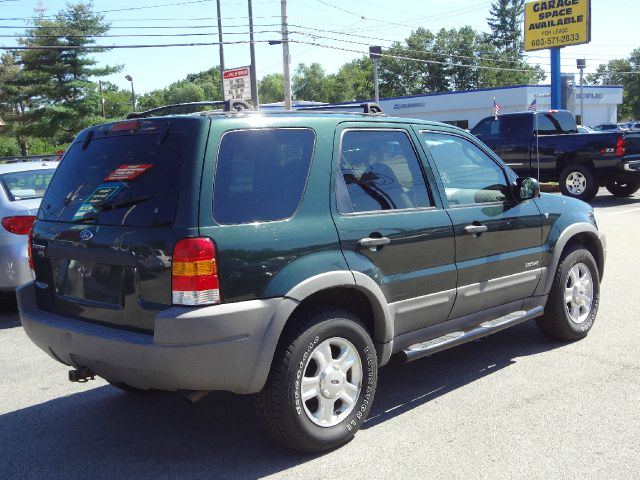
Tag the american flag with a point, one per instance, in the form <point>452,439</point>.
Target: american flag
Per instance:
<point>496,108</point>
<point>533,106</point>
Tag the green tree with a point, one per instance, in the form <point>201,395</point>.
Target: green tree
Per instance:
<point>62,98</point>
<point>311,83</point>
<point>117,101</point>
<point>505,20</point>
<point>271,88</point>
<point>624,72</point>
<point>14,102</point>
<point>195,87</point>
<point>354,81</point>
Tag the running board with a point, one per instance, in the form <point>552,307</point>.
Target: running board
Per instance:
<point>449,340</point>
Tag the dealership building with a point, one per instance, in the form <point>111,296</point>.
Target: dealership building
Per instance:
<point>466,108</point>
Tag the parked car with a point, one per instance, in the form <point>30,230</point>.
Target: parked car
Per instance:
<point>545,144</point>
<point>585,129</point>
<point>296,253</point>
<point>634,126</point>
<point>22,186</point>
<point>609,127</point>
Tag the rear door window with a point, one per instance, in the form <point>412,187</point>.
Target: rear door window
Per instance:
<point>27,184</point>
<point>261,174</point>
<point>121,180</point>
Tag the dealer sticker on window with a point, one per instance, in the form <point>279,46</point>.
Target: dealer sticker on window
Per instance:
<point>99,195</point>
<point>128,172</point>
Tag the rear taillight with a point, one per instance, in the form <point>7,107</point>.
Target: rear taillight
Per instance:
<point>620,146</point>
<point>30,249</point>
<point>194,273</point>
<point>20,225</point>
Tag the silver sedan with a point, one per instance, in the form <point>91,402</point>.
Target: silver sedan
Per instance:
<point>22,186</point>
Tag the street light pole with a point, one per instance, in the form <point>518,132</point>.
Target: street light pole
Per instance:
<point>285,55</point>
<point>375,52</point>
<point>133,94</point>
<point>581,63</point>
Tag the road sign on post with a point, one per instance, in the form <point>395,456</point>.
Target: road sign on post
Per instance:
<point>237,84</point>
<point>551,24</point>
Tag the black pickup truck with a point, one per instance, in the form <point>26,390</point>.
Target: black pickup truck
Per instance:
<point>547,145</point>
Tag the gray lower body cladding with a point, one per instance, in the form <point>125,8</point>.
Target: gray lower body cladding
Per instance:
<point>207,348</point>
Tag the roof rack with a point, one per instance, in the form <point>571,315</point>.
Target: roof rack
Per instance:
<point>227,106</point>
<point>367,107</point>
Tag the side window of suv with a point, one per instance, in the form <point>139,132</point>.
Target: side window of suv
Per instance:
<point>261,174</point>
<point>379,170</point>
<point>468,174</point>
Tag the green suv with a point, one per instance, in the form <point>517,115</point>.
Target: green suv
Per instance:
<point>291,254</point>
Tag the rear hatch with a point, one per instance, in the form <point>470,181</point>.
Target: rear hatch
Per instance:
<point>121,198</point>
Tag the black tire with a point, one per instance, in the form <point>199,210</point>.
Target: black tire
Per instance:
<point>621,188</point>
<point>557,323</point>
<point>8,302</point>
<point>571,174</point>
<point>289,419</point>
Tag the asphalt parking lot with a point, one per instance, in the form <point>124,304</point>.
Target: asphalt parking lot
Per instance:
<point>513,405</point>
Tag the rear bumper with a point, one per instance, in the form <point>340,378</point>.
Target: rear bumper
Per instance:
<point>223,347</point>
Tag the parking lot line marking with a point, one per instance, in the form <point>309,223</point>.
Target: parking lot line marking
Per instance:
<point>627,211</point>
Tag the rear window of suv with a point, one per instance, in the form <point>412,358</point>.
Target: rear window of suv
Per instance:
<point>261,174</point>
<point>121,180</point>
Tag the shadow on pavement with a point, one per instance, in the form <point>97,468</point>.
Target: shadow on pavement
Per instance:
<point>105,433</point>
<point>608,200</point>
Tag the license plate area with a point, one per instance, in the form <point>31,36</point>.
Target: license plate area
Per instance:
<point>88,282</point>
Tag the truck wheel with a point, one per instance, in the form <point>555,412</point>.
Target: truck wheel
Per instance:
<point>573,301</point>
<point>579,181</point>
<point>620,188</point>
<point>322,382</point>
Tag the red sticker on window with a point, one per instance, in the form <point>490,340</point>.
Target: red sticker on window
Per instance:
<point>127,172</point>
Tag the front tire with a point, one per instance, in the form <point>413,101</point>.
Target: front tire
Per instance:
<point>322,382</point>
<point>579,181</point>
<point>574,298</point>
<point>621,189</point>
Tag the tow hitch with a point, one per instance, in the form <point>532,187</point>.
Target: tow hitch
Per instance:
<point>81,375</point>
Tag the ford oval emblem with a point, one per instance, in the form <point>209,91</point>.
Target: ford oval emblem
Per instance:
<point>86,235</point>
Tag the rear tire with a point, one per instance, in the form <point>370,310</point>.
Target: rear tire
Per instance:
<point>573,302</point>
<point>322,382</point>
<point>621,189</point>
<point>579,181</point>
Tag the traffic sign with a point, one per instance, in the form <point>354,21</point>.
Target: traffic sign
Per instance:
<point>237,83</point>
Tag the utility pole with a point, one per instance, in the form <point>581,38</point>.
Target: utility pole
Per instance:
<point>254,72</point>
<point>101,98</point>
<point>285,55</point>
<point>375,52</point>
<point>221,50</point>
<point>581,63</point>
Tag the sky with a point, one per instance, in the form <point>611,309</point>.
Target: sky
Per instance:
<point>329,32</point>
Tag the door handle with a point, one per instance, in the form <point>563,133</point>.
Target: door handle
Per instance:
<point>476,229</point>
<point>369,242</point>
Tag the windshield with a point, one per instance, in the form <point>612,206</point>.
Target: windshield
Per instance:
<point>121,180</point>
<point>26,184</point>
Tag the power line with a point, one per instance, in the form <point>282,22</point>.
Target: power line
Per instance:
<point>111,47</point>
<point>142,35</point>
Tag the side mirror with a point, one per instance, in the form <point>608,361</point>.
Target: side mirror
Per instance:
<point>527,188</point>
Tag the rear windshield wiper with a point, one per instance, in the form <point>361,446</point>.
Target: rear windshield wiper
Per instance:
<point>125,202</point>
